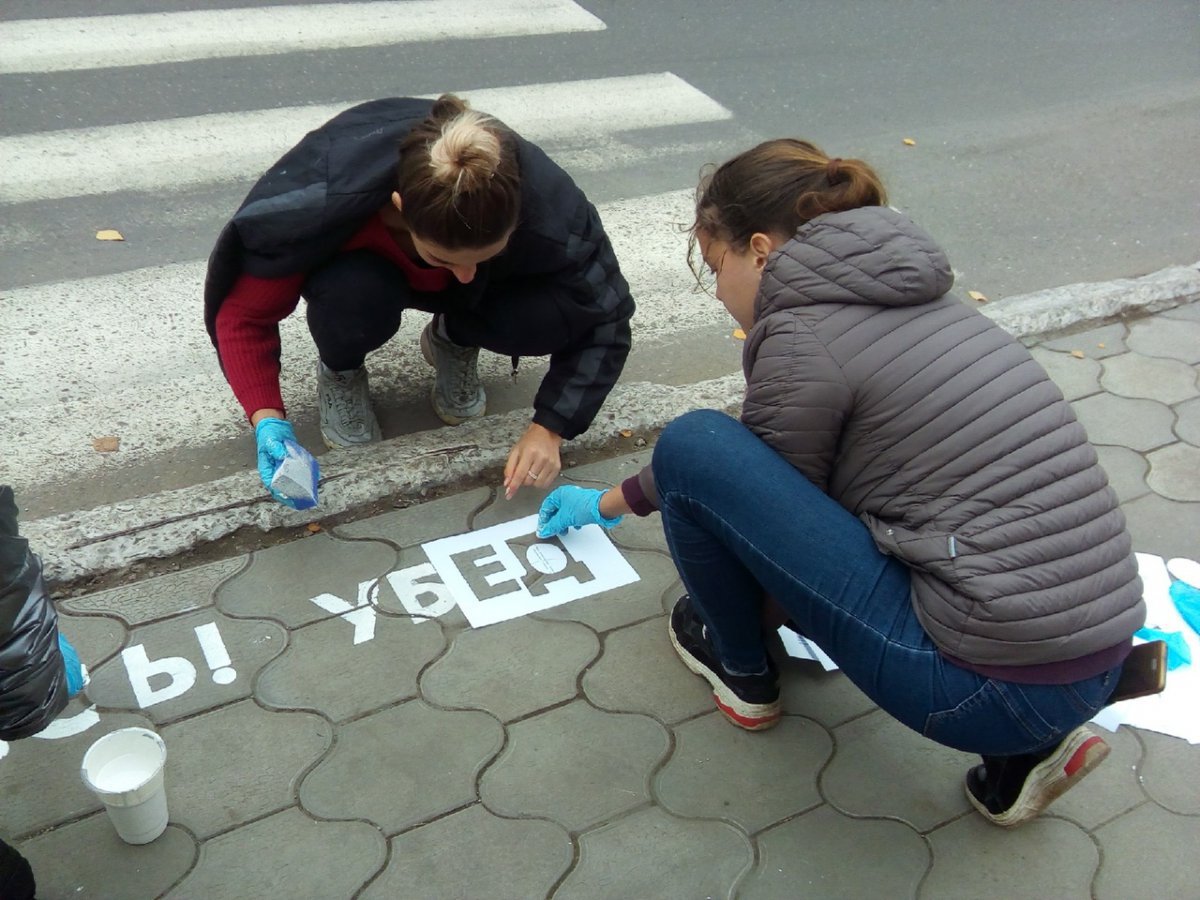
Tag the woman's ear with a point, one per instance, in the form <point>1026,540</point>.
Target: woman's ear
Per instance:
<point>397,202</point>
<point>762,245</point>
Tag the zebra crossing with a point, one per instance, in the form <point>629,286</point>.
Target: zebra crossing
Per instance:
<point>119,349</point>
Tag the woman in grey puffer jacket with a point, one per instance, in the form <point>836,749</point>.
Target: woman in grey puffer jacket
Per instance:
<point>905,482</point>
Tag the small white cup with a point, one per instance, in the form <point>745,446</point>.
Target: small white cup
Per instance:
<point>125,770</point>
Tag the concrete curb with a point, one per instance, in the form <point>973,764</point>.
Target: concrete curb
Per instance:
<point>107,539</point>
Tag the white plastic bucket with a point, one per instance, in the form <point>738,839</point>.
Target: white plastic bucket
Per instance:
<point>125,770</point>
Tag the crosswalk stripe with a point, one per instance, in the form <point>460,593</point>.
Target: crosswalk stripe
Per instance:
<point>65,44</point>
<point>175,153</point>
<point>103,382</point>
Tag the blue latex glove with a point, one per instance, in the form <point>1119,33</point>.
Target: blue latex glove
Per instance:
<point>72,665</point>
<point>1187,601</point>
<point>571,506</point>
<point>270,435</point>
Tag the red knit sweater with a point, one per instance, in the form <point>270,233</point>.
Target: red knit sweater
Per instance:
<point>248,320</point>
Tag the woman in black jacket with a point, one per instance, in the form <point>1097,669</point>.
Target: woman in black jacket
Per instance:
<point>407,204</point>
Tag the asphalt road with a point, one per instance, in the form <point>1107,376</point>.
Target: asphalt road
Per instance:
<point>1053,143</point>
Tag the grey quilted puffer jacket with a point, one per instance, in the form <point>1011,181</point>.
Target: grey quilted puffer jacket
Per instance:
<point>940,432</point>
<point>33,683</point>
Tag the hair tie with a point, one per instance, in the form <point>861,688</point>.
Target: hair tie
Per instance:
<point>832,169</point>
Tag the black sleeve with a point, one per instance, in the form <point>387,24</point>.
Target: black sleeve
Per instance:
<point>33,683</point>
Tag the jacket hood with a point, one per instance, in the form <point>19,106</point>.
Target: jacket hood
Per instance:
<point>871,255</point>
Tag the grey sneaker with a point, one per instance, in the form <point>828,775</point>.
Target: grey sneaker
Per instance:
<point>347,419</point>
<point>457,394</point>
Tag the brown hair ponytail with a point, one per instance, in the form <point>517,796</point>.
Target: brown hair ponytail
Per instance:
<point>776,187</point>
<point>458,177</point>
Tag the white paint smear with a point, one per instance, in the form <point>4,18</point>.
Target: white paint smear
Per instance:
<point>54,45</point>
<point>170,154</point>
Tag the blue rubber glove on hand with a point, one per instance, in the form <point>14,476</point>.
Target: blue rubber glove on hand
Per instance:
<point>72,666</point>
<point>270,434</point>
<point>571,506</point>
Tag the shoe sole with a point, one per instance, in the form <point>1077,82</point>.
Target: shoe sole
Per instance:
<point>748,716</point>
<point>1075,758</point>
<point>448,418</point>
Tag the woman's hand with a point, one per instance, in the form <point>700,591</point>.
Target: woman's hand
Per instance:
<point>534,460</point>
<point>572,506</point>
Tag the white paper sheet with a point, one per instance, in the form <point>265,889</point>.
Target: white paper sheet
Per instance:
<point>516,573</point>
<point>799,647</point>
<point>1176,711</point>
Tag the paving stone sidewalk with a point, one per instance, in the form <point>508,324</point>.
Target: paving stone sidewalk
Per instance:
<point>358,738</point>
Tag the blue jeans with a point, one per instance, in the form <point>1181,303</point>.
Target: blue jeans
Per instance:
<point>740,521</point>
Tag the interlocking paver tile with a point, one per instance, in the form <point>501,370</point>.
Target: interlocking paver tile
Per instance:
<point>402,766</point>
<point>640,672</point>
<point>87,859</point>
<point>164,671</point>
<point>1075,377</point>
<point>1097,343</point>
<point>1175,472</point>
<point>825,854</point>
<point>753,779</point>
<point>472,853</point>
<point>1189,312</point>
<point>95,638</point>
<point>1126,471</point>
<point>157,598</point>
<point>323,669</point>
<point>1177,339</point>
<point>1171,772</point>
<point>420,524</point>
<point>237,763</point>
<point>575,765</point>
<point>39,779</point>
<point>882,768</point>
<point>1187,421</point>
<point>826,697</point>
<point>1160,526</point>
<point>618,607</point>
<point>652,854</point>
<point>281,582</point>
<point>1109,791</point>
<point>511,668</point>
<point>1148,852</point>
<point>1045,858</point>
<point>1137,424</point>
<point>285,855</point>
<point>1168,381</point>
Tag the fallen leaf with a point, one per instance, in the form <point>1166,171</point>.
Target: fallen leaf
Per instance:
<point>313,527</point>
<point>107,444</point>
<point>109,234</point>
<point>625,432</point>
<point>975,295</point>
<point>1101,345</point>
<point>738,334</point>
<point>1079,354</point>
<point>910,142</point>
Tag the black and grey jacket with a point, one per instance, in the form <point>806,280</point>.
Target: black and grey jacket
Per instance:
<point>33,683</point>
<point>305,208</point>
